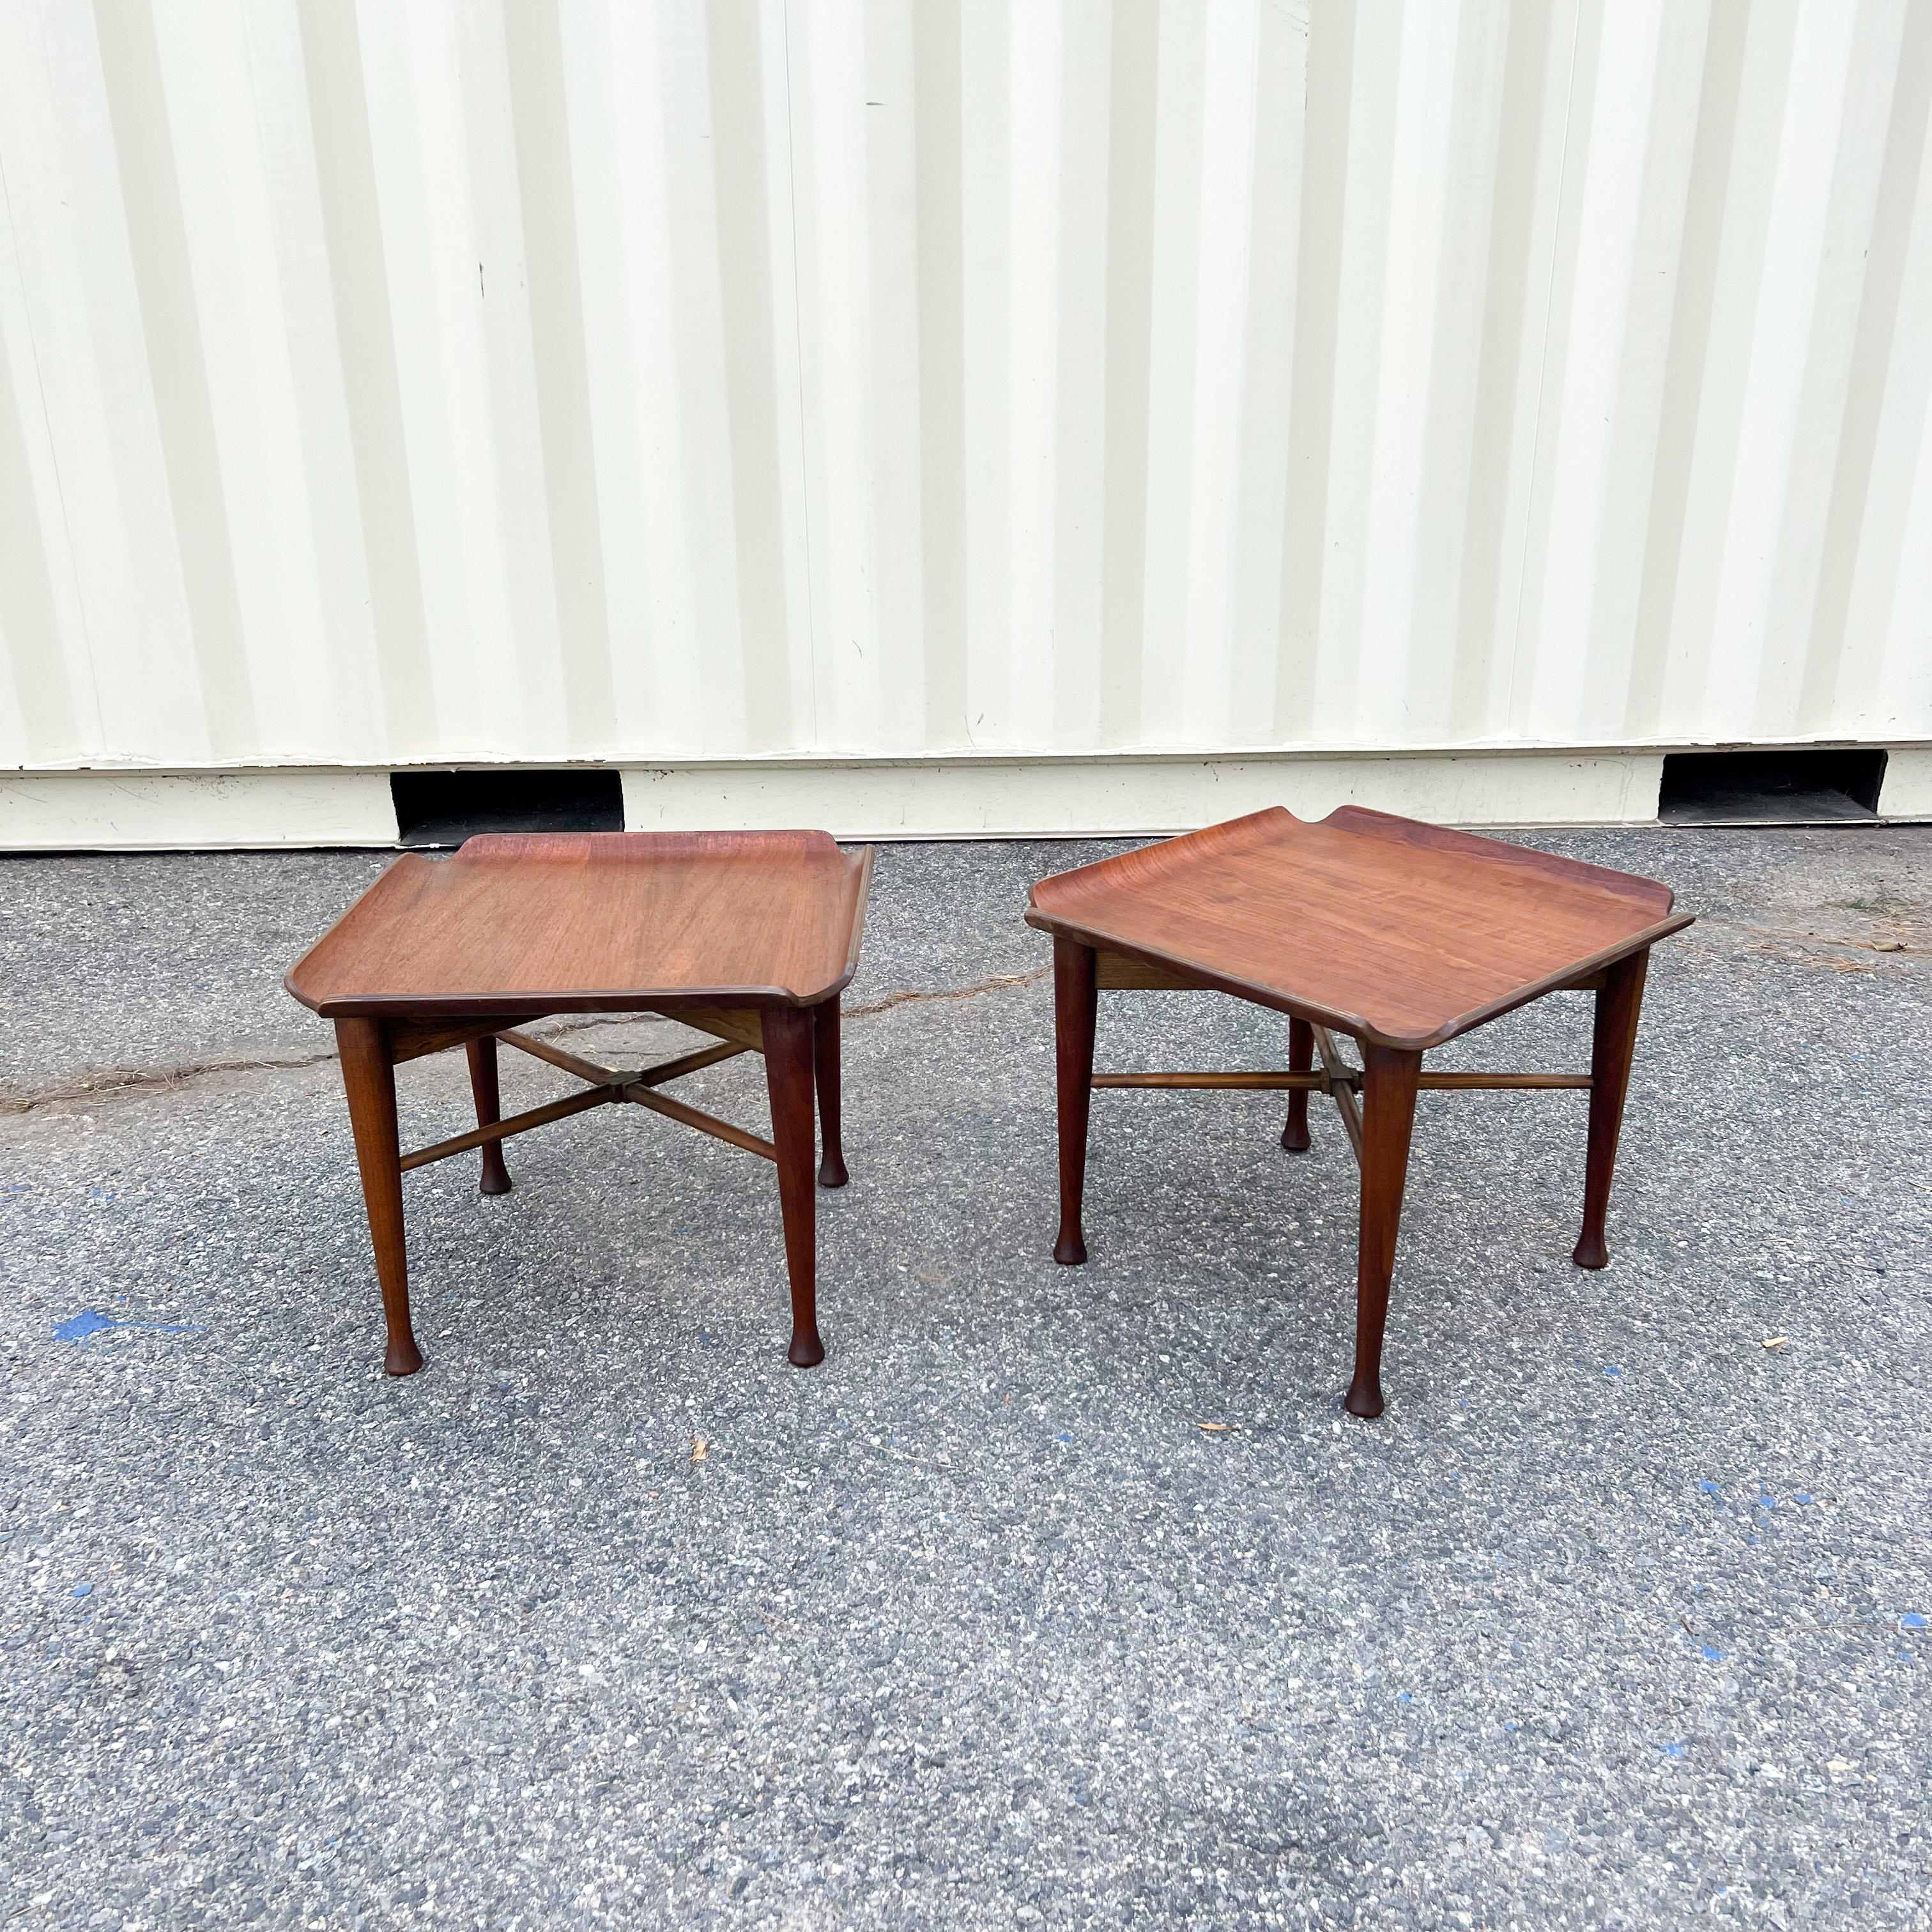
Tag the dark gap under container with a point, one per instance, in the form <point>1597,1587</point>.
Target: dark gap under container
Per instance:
<point>435,810</point>
<point>1774,788</point>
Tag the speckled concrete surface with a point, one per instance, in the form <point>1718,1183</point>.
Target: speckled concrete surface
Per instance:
<point>1616,1618</point>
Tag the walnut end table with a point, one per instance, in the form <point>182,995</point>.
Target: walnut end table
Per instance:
<point>749,937</point>
<point>1400,934</point>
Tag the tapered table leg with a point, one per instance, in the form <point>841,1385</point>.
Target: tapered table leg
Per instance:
<point>1619,1000</point>
<point>1388,1118</point>
<point>825,1067</point>
<point>1301,1059</point>
<point>788,1032</point>
<point>369,1080</point>
<point>1073,1008</point>
<point>489,1111</point>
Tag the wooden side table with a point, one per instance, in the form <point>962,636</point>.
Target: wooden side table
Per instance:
<point>749,937</point>
<point>1400,934</point>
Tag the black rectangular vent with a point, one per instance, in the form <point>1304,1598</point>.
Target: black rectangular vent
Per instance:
<point>436,809</point>
<point>1779,787</point>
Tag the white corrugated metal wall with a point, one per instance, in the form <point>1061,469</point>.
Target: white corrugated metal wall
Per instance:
<point>465,379</point>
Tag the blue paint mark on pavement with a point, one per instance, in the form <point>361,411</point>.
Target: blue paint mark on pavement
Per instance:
<point>83,1589</point>
<point>1912,1620</point>
<point>87,1323</point>
<point>1712,1654</point>
<point>1672,1750</point>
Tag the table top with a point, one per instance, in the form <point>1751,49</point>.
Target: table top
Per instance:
<point>1400,933</point>
<point>595,922</point>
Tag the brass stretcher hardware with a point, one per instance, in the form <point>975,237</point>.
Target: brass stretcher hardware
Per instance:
<point>608,1087</point>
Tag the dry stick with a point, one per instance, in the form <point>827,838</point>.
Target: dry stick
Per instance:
<point>111,1082</point>
<point>999,983</point>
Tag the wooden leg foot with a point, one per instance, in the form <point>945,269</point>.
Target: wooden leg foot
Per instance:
<point>1388,1119</point>
<point>789,1076</point>
<point>1301,1059</point>
<point>489,1111</point>
<point>1364,1399</point>
<point>1613,1044</point>
<point>825,1065</point>
<point>1073,1010</point>
<point>369,1081</point>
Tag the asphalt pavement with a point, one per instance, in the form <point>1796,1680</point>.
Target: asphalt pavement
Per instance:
<point>1056,1596</point>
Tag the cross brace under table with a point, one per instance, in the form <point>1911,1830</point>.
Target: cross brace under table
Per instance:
<point>800,1046</point>
<point>1340,1081</point>
<point>607,1086</point>
<point>1375,1100</point>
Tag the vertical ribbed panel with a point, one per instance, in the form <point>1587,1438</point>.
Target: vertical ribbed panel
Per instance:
<point>467,379</point>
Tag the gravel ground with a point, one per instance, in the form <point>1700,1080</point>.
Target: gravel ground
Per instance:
<point>1616,1619</point>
